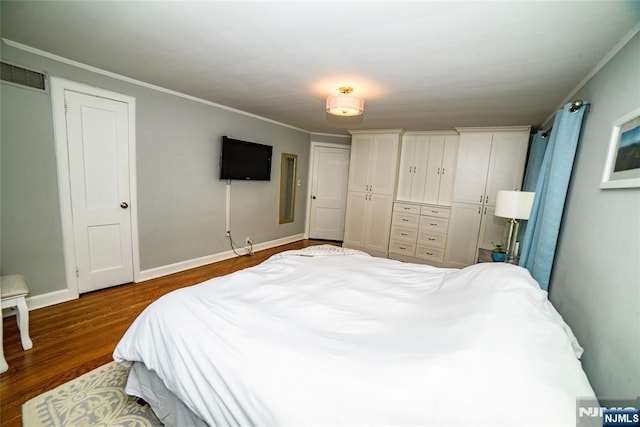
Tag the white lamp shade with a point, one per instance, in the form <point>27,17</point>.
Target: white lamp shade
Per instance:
<point>345,105</point>
<point>514,204</point>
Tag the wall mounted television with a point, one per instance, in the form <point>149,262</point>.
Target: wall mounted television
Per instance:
<point>245,160</point>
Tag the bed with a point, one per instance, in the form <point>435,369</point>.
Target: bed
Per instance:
<point>333,336</point>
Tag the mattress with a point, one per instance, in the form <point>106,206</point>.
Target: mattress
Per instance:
<point>333,336</point>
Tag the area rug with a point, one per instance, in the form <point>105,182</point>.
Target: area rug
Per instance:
<point>96,398</point>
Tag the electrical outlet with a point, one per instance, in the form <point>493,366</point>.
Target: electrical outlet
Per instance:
<point>248,240</point>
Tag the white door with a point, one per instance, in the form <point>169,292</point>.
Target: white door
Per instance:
<point>384,164</point>
<point>421,168</point>
<point>379,209</point>
<point>98,150</point>
<point>406,168</point>
<point>506,167</point>
<point>434,166</point>
<point>360,167</point>
<point>355,230</point>
<point>329,180</point>
<point>492,229</point>
<point>462,238</point>
<point>474,151</point>
<point>448,170</point>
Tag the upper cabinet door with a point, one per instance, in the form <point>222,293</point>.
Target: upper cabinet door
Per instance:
<point>384,163</point>
<point>508,157</point>
<point>433,164</point>
<point>406,168</point>
<point>359,166</point>
<point>474,152</point>
<point>421,168</point>
<point>448,170</point>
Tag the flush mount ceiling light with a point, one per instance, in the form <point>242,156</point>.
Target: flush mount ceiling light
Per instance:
<point>345,104</point>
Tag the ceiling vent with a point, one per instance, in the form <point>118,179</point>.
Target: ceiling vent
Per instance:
<point>23,77</point>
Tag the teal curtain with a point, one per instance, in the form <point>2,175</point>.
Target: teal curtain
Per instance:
<point>538,246</point>
<point>536,155</point>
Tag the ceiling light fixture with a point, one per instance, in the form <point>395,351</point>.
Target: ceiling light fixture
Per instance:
<point>345,104</point>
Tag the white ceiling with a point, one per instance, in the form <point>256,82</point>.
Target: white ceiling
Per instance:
<point>420,65</point>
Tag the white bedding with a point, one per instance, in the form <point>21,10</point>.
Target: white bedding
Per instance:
<point>307,338</point>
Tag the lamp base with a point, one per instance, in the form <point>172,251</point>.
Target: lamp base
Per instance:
<point>512,246</point>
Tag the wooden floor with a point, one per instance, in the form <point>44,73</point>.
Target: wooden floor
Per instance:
<point>72,338</point>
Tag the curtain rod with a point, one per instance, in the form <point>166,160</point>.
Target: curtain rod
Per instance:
<point>575,106</point>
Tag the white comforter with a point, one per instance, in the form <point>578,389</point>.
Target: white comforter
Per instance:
<point>307,338</point>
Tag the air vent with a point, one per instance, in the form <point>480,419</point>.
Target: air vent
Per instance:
<point>23,77</point>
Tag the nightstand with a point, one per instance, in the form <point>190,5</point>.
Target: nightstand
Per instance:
<point>484,255</point>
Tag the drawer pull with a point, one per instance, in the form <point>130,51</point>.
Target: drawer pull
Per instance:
<point>429,253</point>
<point>405,219</point>
<point>406,209</point>
<point>431,238</point>
<point>403,234</point>
<point>431,223</point>
<point>435,211</point>
<point>402,248</point>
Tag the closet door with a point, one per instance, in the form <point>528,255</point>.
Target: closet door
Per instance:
<point>359,166</point>
<point>448,170</point>
<point>462,239</point>
<point>508,156</point>
<point>434,167</point>
<point>384,164</point>
<point>406,169</point>
<point>474,152</point>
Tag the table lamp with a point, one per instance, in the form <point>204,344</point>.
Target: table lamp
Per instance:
<point>515,205</point>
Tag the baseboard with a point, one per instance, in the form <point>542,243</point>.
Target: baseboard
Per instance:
<point>51,298</point>
<point>57,297</point>
<point>165,270</point>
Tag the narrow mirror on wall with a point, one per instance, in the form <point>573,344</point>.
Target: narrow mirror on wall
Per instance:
<point>288,171</point>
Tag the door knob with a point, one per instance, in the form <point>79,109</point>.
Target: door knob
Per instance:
<point>124,205</point>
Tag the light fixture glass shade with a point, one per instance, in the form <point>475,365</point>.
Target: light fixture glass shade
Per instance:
<point>345,105</point>
<point>514,204</point>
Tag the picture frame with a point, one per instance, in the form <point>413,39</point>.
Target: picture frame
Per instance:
<point>622,167</point>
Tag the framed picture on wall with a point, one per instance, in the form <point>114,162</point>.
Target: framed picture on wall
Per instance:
<point>622,168</point>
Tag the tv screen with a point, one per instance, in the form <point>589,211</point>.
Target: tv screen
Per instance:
<point>245,160</point>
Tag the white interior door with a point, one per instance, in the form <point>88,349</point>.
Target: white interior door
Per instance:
<point>98,151</point>
<point>329,181</point>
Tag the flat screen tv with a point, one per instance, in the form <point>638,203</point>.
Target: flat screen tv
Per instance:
<point>245,160</point>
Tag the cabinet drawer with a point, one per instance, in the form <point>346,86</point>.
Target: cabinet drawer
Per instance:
<point>430,254</point>
<point>434,240</point>
<point>404,248</point>
<point>406,208</point>
<point>405,220</point>
<point>438,211</point>
<point>404,234</point>
<point>430,223</point>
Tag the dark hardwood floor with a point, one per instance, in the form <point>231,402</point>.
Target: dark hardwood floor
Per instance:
<point>74,337</point>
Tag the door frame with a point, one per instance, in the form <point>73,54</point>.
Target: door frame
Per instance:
<point>314,145</point>
<point>58,87</point>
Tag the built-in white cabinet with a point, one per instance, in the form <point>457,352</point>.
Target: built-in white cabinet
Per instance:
<point>372,183</point>
<point>489,160</point>
<point>427,167</point>
<point>419,233</point>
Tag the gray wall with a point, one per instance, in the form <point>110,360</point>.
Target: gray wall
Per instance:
<point>596,277</point>
<point>181,201</point>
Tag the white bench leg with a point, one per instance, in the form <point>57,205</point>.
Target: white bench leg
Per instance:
<point>22,314</point>
<point>3,362</point>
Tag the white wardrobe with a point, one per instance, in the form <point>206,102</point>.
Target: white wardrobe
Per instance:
<point>372,183</point>
<point>420,220</point>
<point>429,197</point>
<point>489,160</point>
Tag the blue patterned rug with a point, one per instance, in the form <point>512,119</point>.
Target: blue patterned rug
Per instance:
<point>96,398</point>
